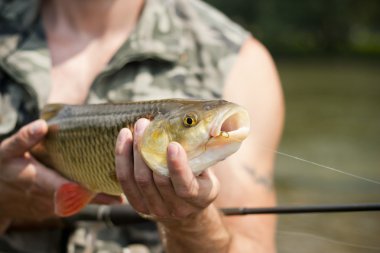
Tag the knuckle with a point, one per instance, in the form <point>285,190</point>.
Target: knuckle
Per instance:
<point>23,136</point>
<point>140,207</point>
<point>18,141</point>
<point>160,212</point>
<point>203,204</point>
<point>186,194</point>
<point>143,181</point>
<point>162,182</point>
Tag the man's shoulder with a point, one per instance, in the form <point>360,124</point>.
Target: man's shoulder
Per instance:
<point>211,26</point>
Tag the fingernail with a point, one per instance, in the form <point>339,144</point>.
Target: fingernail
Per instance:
<point>36,127</point>
<point>121,139</point>
<point>140,126</point>
<point>173,150</point>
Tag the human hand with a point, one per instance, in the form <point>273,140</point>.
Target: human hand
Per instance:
<point>166,199</point>
<point>27,187</point>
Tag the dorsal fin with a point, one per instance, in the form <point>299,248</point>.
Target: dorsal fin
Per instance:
<point>50,111</point>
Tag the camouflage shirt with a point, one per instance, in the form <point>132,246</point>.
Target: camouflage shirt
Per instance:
<point>179,48</point>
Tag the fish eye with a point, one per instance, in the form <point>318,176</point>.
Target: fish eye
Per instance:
<point>190,120</point>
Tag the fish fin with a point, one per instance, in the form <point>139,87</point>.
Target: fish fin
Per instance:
<point>50,111</point>
<point>70,198</point>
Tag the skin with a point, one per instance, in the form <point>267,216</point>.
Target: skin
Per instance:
<point>27,187</point>
<point>185,206</point>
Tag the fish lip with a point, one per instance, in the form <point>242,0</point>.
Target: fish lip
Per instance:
<point>238,117</point>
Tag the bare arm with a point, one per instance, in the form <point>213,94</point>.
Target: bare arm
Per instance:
<point>183,204</point>
<point>246,177</point>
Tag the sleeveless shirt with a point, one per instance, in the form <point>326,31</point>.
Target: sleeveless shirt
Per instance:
<point>179,49</point>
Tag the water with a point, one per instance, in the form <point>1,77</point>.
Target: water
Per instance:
<point>333,118</point>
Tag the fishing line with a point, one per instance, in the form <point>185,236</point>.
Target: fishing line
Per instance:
<point>322,166</point>
<point>328,167</point>
<point>319,237</point>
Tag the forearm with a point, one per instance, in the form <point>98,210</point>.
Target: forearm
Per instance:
<point>204,232</point>
<point>207,233</point>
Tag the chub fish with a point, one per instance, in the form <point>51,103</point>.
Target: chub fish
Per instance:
<point>81,140</point>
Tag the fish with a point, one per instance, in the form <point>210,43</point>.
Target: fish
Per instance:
<point>81,139</point>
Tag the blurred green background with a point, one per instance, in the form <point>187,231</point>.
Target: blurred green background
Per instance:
<point>328,57</point>
<point>309,27</point>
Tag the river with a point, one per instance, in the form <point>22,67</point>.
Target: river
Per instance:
<point>332,118</point>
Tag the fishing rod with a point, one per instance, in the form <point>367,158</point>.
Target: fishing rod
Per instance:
<point>119,215</point>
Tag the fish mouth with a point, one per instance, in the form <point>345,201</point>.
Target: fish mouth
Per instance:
<point>228,129</point>
<point>233,125</point>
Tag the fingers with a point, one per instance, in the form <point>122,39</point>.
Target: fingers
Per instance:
<point>23,140</point>
<point>144,176</point>
<point>48,178</point>
<point>124,170</point>
<point>17,145</point>
<point>29,187</point>
<point>123,151</point>
<point>177,207</point>
<point>201,190</point>
<point>184,182</point>
<point>209,184</point>
<point>163,197</point>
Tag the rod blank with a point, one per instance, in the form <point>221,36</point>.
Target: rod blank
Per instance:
<point>119,215</point>
<point>304,209</point>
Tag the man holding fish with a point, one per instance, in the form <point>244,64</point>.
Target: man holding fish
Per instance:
<point>77,52</point>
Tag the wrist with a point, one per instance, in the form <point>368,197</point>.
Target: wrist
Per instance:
<point>201,232</point>
<point>191,221</point>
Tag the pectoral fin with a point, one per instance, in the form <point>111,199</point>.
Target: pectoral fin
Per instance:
<point>70,198</point>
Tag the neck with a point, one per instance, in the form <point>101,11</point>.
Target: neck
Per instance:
<point>92,17</point>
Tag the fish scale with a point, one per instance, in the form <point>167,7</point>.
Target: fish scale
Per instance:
<point>76,153</point>
<point>94,168</point>
<point>81,139</point>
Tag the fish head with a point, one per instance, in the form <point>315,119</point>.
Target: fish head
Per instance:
<point>209,131</point>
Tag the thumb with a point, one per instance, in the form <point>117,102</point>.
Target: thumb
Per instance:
<point>28,136</point>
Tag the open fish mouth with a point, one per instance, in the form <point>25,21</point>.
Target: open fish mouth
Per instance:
<point>228,129</point>
<point>233,125</point>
